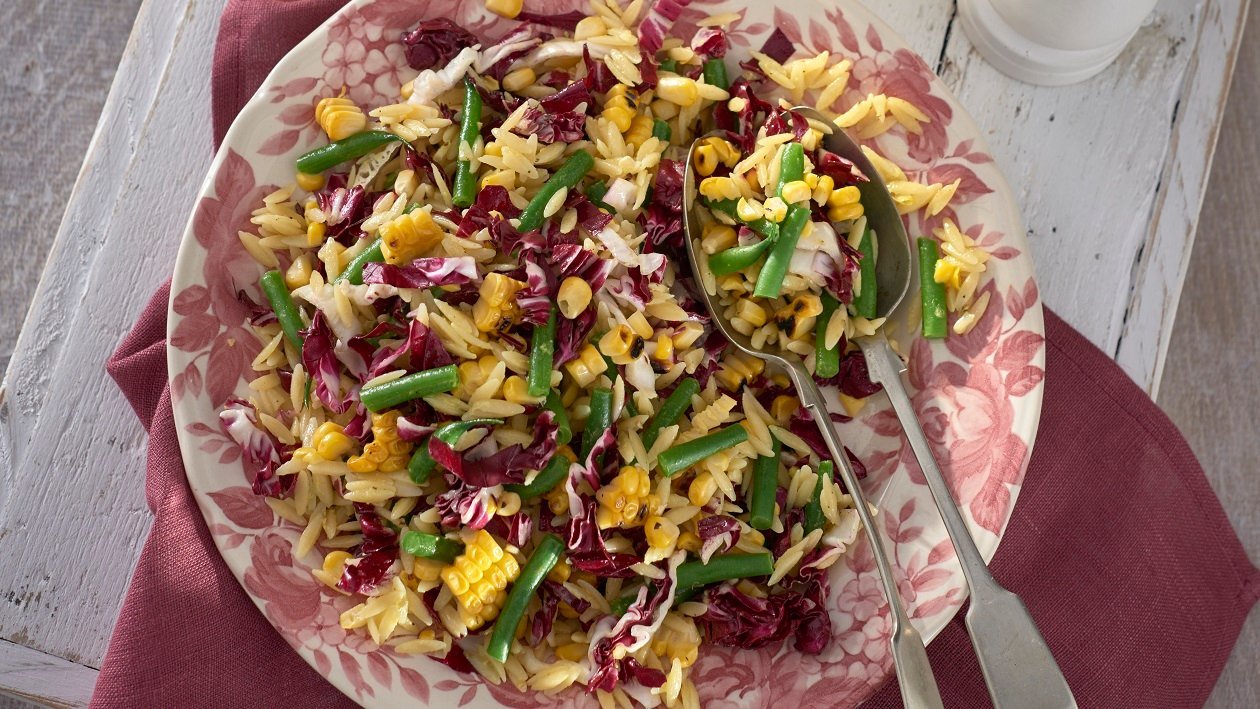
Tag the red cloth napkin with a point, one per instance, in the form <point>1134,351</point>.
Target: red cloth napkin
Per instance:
<point>1117,544</point>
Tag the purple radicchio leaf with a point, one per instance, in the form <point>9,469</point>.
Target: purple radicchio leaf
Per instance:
<point>656,25</point>
<point>343,207</point>
<point>411,430</point>
<point>562,127</point>
<point>376,559</point>
<point>741,127</point>
<point>491,208</point>
<point>435,42</point>
<point>514,528</point>
<point>497,59</point>
<point>572,334</point>
<point>778,46</point>
<point>710,42</point>
<point>507,465</point>
<point>714,347</point>
<point>587,551</point>
<point>738,620</point>
<point>853,379</point>
<point>783,120</point>
<point>662,218</point>
<point>612,638</point>
<point>598,77</point>
<point>464,505</point>
<point>534,300</point>
<point>259,449</point>
<point>632,287</point>
<point>574,260</point>
<point>718,533</point>
<point>423,272</point>
<point>841,170</point>
<point>319,357</point>
<point>566,21</point>
<point>551,595</point>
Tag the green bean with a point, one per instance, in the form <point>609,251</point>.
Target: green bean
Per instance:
<point>762,226</point>
<point>569,174</point>
<point>826,359</point>
<point>554,473</point>
<point>684,455</point>
<point>536,569</point>
<point>791,166</point>
<point>669,65</point>
<point>737,258</point>
<point>765,486</point>
<point>599,420</point>
<point>595,193</point>
<point>770,279</point>
<point>676,404</point>
<point>725,567</point>
<point>277,293</point>
<point>422,464</point>
<point>935,321</point>
<point>431,546</point>
<point>814,518</point>
<point>541,355</point>
<point>354,269</point>
<point>864,301</point>
<point>661,130</point>
<point>333,154</point>
<point>465,189</point>
<point>561,417</point>
<point>715,74</point>
<point>412,386</point>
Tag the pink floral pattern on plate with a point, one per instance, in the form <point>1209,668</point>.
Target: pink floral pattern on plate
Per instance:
<point>978,396</point>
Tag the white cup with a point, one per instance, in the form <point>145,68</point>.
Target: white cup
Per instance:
<point>1052,42</point>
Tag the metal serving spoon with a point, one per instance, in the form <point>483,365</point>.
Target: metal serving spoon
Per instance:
<point>914,673</point>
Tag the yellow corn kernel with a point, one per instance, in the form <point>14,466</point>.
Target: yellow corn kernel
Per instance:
<point>573,297</point>
<point>386,453</point>
<point>705,160</point>
<point>560,572</point>
<point>495,303</point>
<point>750,311</point>
<point>678,639</point>
<point>660,532</point>
<point>558,501</point>
<point>621,343</point>
<point>738,368</point>
<point>719,188</point>
<point>573,652</point>
<point>409,236</point>
<point>519,79</point>
<point>947,272</point>
<point>749,210</point>
<point>502,178</point>
<point>852,406</point>
<point>811,180</point>
<point>339,117</point>
<point>479,577</point>
<point>797,317</point>
<point>588,365</point>
<point>335,562</point>
<point>703,488</point>
<point>638,322</point>
<point>664,349</point>
<point>589,27</point>
<point>844,213</point>
<point>678,90</point>
<point>627,500</point>
<point>330,441</point>
<point>845,195</point>
<point>619,107</point>
<point>516,391</point>
<point>726,153</point>
<point>687,335</point>
<point>308,182</point>
<point>505,8</point>
<point>796,191</point>
<point>688,541</point>
<point>298,273</point>
<point>315,233</point>
<point>783,407</point>
<point>775,209</point>
<point>639,131</point>
<point>426,569</point>
<point>497,289</point>
<point>824,188</point>
<point>717,237</point>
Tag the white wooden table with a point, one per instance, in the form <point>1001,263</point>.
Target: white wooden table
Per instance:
<point>1110,175</point>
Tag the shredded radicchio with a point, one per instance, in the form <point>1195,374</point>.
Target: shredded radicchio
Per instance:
<point>343,207</point>
<point>464,505</point>
<point>534,300</point>
<point>423,272</point>
<point>718,533</point>
<point>741,127</point>
<point>497,59</point>
<point>435,42</point>
<point>575,260</point>
<point>853,378</point>
<point>320,360</point>
<point>375,558</point>
<point>552,594</point>
<point>587,551</point>
<point>710,42</point>
<point>662,219</point>
<point>739,620</point>
<point>778,46</point>
<point>617,637</point>
<point>507,465</point>
<point>841,170</point>
<point>566,21</point>
<point>598,76</point>
<point>656,25</point>
<point>491,209</point>
<point>258,447</point>
<point>572,334</point>
<point>514,528</point>
<point>560,127</point>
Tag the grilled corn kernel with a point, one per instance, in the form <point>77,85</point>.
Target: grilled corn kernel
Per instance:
<point>677,640</point>
<point>503,178</point>
<point>702,489</point>
<point>638,322</point>
<point>573,652</point>
<point>738,368</point>
<point>705,160</point>
<point>588,365</point>
<point>811,180</point>
<point>560,572</point>
<point>621,342</point>
<point>824,188</point>
<point>589,27</point>
<point>750,311</point>
<point>797,317</point>
<point>796,191</point>
<point>619,107</point>
<point>387,452</point>
<point>495,303</point>
<point>678,90</point>
<point>775,209</point>
<point>315,233</point>
<point>719,188</point>
<point>480,576</point>
<point>516,391</point>
<point>844,213</point>
<point>330,441</point>
<point>717,237</point>
<point>298,273</point>
<point>664,352</point>
<point>308,182</point>
<point>688,541</point>
<point>407,237</point>
<point>640,130</point>
<point>726,153</point>
<point>519,79</point>
<point>749,210</point>
<point>660,532</point>
<point>844,195</point>
<point>627,500</point>
<point>339,117</point>
<point>426,569</point>
<point>335,562</point>
<point>573,297</point>
<point>783,407</point>
<point>505,8</point>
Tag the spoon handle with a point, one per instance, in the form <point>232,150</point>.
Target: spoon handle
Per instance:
<point>914,672</point>
<point>1014,658</point>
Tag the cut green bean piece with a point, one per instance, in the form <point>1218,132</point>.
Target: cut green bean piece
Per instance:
<point>569,174</point>
<point>762,226</point>
<point>541,355</point>
<point>864,301</point>
<point>286,311</point>
<point>422,464</point>
<point>536,569</point>
<point>669,65</point>
<point>661,130</point>
<point>715,74</point>
<point>684,455</point>
<point>352,148</point>
<point>412,386</point>
<point>935,320</point>
<point>552,474</point>
<point>599,420</point>
<point>465,188</point>
<point>764,488</point>
<point>791,166</point>
<point>676,404</point>
<point>431,546</point>
<point>814,518</point>
<point>770,279</point>
<point>556,407</point>
<point>725,567</point>
<point>826,359</point>
<point>354,269</point>
<point>737,258</point>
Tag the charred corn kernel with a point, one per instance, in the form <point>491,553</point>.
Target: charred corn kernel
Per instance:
<point>664,349</point>
<point>687,335</point>
<point>589,27</point>
<point>339,117</point>
<point>497,289</point>
<point>502,178</point>
<point>738,368</point>
<point>573,652</point>
<point>844,195</point>
<point>783,407</point>
<point>811,180</point>
<point>775,209</point>
<point>480,576</point>
<point>780,380</point>
<point>703,488</point>
<point>660,532</point>
<point>308,182</point>
<point>573,297</point>
<point>638,322</point>
<point>726,153</point>
<point>797,317</point>
<point>495,304</point>
<point>427,569</point>
<point>386,453</point>
<point>947,272</point>
<point>749,210</point>
<point>335,562</point>
<point>640,130</point>
<point>505,8</point>
<point>845,213</point>
<point>705,160</point>
<point>734,284</point>
<point>719,188</point>
<point>796,191</point>
<point>688,541</point>
<point>750,311</point>
<point>330,441</point>
<point>407,237</point>
<point>588,365</point>
<point>678,90</point>
<point>678,639</point>
<point>519,79</point>
<point>717,237</point>
<point>619,107</point>
<point>515,391</point>
<point>824,188</point>
<point>627,500</point>
<point>852,406</point>
<point>298,273</point>
<point>558,501</point>
<point>560,572</point>
<point>621,342</point>
<point>315,233</point>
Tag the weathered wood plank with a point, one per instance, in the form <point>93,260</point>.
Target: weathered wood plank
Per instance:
<point>33,676</point>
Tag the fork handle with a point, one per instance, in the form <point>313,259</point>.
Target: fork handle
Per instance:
<point>1014,658</point>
